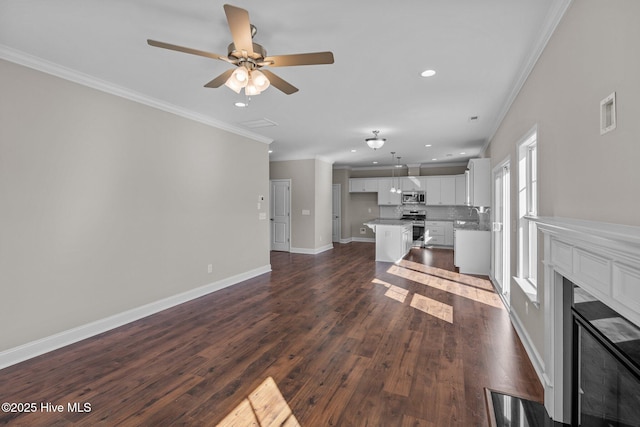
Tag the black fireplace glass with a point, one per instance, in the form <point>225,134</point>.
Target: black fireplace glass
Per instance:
<point>608,378</point>
<point>609,392</point>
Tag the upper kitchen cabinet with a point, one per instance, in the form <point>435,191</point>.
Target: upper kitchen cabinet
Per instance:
<point>385,196</point>
<point>461,190</point>
<point>413,183</point>
<point>479,182</point>
<point>441,190</point>
<point>363,185</point>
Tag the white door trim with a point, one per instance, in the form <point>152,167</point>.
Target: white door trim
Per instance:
<point>284,246</point>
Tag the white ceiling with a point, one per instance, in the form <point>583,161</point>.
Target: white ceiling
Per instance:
<point>481,50</point>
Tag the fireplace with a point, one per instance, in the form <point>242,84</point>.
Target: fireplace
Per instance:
<point>590,366</point>
<point>605,364</point>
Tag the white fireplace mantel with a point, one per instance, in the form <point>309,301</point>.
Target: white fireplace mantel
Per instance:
<point>601,258</point>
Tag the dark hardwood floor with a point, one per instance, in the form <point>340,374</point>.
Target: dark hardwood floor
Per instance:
<point>348,341</point>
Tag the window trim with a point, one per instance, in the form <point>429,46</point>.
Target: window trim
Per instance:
<point>527,245</point>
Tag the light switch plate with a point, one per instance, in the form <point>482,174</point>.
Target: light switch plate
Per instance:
<point>608,114</point>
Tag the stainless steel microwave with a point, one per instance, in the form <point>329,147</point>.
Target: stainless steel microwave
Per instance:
<point>413,198</point>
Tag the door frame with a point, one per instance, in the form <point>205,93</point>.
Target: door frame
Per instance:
<point>502,279</point>
<point>337,188</point>
<point>271,199</point>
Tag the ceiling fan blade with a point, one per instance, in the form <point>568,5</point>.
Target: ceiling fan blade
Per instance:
<point>240,27</point>
<point>220,80</point>
<point>300,59</point>
<point>164,45</point>
<point>280,84</point>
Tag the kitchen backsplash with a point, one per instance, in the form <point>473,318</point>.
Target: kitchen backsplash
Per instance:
<point>435,212</point>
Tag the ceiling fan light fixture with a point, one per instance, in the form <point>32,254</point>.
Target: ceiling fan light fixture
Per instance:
<point>238,79</point>
<point>251,89</point>
<point>375,142</point>
<point>260,80</point>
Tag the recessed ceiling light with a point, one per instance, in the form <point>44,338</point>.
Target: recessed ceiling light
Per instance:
<point>428,73</point>
<point>270,151</point>
<point>353,151</point>
<point>375,163</point>
<point>434,159</point>
<point>463,153</point>
<point>241,104</point>
<point>427,145</point>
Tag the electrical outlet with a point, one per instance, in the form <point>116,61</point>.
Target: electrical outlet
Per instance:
<point>210,268</point>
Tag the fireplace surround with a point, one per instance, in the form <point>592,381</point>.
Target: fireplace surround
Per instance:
<point>603,260</point>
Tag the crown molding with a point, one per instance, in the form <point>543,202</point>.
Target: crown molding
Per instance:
<point>553,18</point>
<point>51,68</point>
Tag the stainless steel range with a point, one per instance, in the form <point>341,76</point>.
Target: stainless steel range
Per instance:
<point>417,218</point>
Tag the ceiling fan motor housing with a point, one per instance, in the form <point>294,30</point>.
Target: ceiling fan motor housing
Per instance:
<point>259,53</point>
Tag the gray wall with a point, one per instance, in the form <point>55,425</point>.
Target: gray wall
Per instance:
<point>582,174</point>
<point>323,202</point>
<point>310,190</point>
<point>108,205</point>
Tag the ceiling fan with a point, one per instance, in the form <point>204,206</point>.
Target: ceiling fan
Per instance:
<point>250,58</point>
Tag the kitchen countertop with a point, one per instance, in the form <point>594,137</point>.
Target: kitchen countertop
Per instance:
<point>469,225</point>
<point>382,221</point>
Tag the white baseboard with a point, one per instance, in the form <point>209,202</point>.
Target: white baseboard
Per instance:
<point>534,356</point>
<point>347,240</point>
<point>308,251</point>
<point>364,239</point>
<point>44,345</point>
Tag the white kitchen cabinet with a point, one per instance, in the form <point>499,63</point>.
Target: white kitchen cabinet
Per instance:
<point>363,185</point>
<point>393,241</point>
<point>471,252</point>
<point>413,183</point>
<point>438,233</point>
<point>441,190</point>
<point>479,182</point>
<point>461,190</point>
<point>385,196</point>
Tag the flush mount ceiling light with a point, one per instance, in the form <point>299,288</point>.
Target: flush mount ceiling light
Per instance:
<point>375,142</point>
<point>428,73</point>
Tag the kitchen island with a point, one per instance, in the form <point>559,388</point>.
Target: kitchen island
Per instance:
<point>394,238</point>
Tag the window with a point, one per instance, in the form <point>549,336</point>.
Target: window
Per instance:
<point>528,206</point>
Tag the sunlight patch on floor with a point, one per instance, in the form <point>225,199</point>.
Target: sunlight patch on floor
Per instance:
<point>452,286</point>
<point>264,407</point>
<point>394,292</point>
<point>446,274</point>
<point>427,305</point>
<point>432,307</point>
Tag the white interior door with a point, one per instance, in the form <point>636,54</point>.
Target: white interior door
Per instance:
<point>280,214</point>
<point>335,216</point>
<point>500,244</point>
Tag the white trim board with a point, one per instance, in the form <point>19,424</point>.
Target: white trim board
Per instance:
<point>308,251</point>
<point>53,342</point>
<point>47,67</point>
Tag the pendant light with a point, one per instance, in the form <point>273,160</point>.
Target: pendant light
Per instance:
<point>375,142</point>
<point>393,186</point>
<point>398,190</point>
